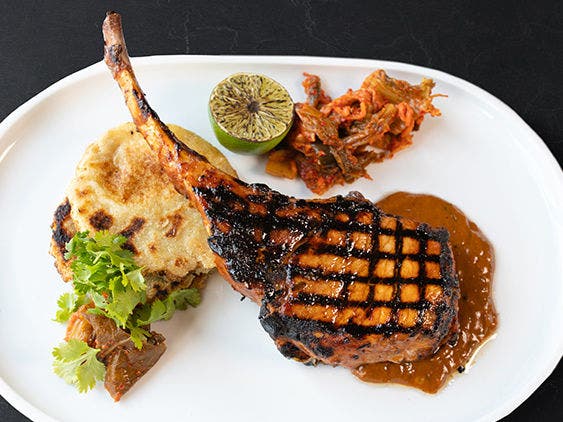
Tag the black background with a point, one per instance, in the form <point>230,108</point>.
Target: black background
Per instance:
<point>513,49</point>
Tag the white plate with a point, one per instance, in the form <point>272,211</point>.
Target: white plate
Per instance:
<point>220,363</point>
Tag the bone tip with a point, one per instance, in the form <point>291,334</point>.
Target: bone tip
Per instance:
<point>112,20</point>
<point>112,13</point>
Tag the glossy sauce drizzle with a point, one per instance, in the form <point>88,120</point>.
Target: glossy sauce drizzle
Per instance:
<point>474,260</point>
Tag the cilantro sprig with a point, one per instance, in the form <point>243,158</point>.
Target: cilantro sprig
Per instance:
<point>105,273</point>
<point>102,265</point>
<point>68,303</point>
<point>76,363</point>
<point>164,309</point>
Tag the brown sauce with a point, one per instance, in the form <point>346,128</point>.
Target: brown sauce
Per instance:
<point>474,260</point>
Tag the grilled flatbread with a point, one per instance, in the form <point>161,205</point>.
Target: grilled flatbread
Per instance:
<point>120,186</point>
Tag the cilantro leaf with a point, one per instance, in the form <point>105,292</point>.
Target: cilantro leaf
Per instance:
<point>164,309</point>
<point>100,259</point>
<point>68,303</point>
<point>76,363</point>
<point>123,302</point>
<point>185,297</point>
<point>155,311</point>
<point>138,335</point>
<point>135,280</point>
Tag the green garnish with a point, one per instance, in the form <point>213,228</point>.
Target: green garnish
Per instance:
<point>102,265</point>
<point>76,363</point>
<point>68,303</point>
<point>106,274</point>
<point>164,309</point>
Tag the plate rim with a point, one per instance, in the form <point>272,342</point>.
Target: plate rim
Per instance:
<point>540,153</point>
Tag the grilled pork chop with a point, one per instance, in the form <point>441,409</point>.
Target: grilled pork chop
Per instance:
<point>338,281</point>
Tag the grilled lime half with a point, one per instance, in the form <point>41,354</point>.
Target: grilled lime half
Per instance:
<point>250,113</point>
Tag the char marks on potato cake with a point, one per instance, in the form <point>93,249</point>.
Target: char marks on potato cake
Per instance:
<point>120,186</point>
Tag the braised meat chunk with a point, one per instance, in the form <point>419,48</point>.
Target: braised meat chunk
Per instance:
<point>125,364</point>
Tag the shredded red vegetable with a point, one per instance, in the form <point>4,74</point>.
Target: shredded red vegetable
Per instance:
<point>333,141</point>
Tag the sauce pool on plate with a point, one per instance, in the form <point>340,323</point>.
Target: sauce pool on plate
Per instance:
<point>474,260</point>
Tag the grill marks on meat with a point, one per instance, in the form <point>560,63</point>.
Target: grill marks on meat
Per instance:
<point>334,274</point>
<point>338,281</point>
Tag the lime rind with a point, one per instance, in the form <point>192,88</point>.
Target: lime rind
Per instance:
<point>250,113</point>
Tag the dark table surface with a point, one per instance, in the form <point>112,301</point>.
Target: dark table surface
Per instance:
<point>513,49</point>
